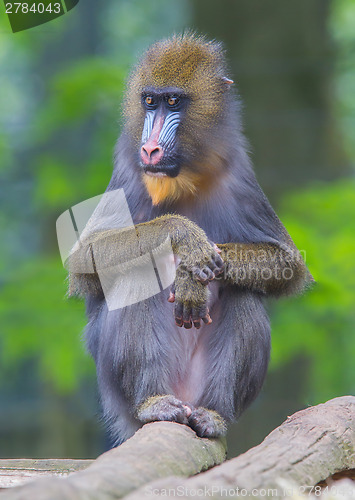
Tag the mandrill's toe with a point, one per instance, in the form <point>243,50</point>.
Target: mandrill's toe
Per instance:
<point>165,407</point>
<point>207,423</point>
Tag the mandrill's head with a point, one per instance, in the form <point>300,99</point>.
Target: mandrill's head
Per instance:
<point>177,103</point>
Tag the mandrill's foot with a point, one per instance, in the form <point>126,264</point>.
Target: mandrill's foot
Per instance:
<point>207,423</point>
<point>163,408</point>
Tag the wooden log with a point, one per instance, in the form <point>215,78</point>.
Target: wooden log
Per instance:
<point>19,471</point>
<point>310,446</point>
<point>157,450</point>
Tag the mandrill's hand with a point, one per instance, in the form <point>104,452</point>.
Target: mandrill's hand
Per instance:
<point>212,268</point>
<point>204,261</point>
<point>191,298</point>
<point>196,252</point>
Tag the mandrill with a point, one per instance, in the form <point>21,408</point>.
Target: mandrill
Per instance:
<point>195,353</point>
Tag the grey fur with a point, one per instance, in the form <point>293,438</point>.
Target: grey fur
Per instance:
<point>138,350</point>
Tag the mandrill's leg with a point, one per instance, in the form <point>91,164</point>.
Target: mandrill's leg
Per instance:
<point>238,349</point>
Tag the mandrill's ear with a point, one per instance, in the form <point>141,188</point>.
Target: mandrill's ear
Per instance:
<point>227,81</point>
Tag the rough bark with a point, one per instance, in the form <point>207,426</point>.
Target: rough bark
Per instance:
<point>155,451</point>
<point>18,471</point>
<point>310,446</point>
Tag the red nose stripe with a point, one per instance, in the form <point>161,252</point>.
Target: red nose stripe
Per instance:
<point>151,152</point>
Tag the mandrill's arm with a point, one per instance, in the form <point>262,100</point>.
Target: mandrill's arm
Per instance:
<point>268,268</point>
<point>105,249</point>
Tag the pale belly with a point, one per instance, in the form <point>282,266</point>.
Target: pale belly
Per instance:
<point>190,384</point>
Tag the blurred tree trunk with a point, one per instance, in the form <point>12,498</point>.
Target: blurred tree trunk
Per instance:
<point>281,58</point>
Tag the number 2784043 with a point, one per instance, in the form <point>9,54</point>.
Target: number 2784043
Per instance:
<point>35,8</point>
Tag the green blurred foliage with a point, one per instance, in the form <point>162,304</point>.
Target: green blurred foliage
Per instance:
<point>87,88</point>
<point>320,324</point>
<point>39,324</point>
<point>89,92</point>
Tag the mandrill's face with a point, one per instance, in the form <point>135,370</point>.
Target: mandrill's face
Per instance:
<point>162,157</point>
<point>175,101</point>
<point>159,152</point>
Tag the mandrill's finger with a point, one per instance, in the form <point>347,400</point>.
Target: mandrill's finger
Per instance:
<point>218,262</point>
<point>215,247</point>
<point>207,318</point>
<point>178,313</point>
<point>209,273</point>
<point>196,318</point>
<point>187,317</point>
<point>188,410</point>
<point>202,313</point>
<point>215,268</point>
<point>171,297</point>
<point>200,275</point>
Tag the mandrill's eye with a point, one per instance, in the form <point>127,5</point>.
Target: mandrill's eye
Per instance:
<point>173,101</point>
<point>149,101</point>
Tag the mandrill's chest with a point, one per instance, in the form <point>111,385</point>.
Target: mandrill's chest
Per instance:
<point>219,215</point>
<point>213,218</point>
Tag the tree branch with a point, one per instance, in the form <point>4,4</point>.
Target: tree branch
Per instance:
<point>157,450</point>
<point>310,446</point>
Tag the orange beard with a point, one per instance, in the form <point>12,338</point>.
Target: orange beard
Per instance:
<point>161,189</point>
<point>188,182</point>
